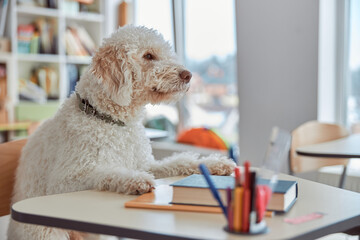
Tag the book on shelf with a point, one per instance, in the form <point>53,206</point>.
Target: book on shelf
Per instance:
<point>28,3</point>
<point>3,13</point>
<point>74,71</point>
<point>71,7</point>
<point>73,44</point>
<point>51,3</point>
<point>37,37</point>
<point>86,40</point>
<point>25,33</point>
<point>193,190</point>
<point>72,76</point>
<point>30,91</point>
<point>46,28</point>
<point>47,79</point>
<point>38,3</point>
<point>78,41</point>
<point>35,43</point>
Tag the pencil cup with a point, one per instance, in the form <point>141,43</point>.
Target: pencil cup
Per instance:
<point>254,227</point>
<point>246,204</point>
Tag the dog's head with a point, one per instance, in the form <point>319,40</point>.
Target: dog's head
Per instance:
<point>137,64</point>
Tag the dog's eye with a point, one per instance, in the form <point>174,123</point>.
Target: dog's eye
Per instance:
<point>149,56</point>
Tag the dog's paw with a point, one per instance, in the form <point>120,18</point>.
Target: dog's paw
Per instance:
<point>219,165</point>
<point>143,183</point>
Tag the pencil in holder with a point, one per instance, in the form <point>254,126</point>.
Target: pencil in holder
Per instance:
<point>246,204</point>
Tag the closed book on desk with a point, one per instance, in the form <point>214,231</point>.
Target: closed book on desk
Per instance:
<point>160,199</point>
<point>284,195</point>
<point>193,190</point>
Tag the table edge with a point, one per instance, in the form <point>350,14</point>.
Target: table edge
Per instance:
<point>140,234</point>
<point>327,155</point>
<point>88,227</point>
<point>333,228</point>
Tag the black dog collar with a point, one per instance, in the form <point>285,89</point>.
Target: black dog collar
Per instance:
<point>86,107</point>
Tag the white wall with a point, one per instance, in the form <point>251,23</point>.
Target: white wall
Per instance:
<point>277,69</point>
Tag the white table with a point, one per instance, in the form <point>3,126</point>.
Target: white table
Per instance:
<point>104,212</point>
<point>348,147</point>
<point>155,133</point>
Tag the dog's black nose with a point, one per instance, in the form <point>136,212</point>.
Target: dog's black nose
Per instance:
<point>185,75</point>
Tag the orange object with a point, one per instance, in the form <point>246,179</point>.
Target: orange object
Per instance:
<point>123,14</point>
<point>202,137</point>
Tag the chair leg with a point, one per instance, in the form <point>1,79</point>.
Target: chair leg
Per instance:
<point>353,231</point>
<point>289,163</point>
<point>342,177</point>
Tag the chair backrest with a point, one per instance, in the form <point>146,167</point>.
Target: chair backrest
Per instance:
<point>9,156</point>
<point>313,132</point>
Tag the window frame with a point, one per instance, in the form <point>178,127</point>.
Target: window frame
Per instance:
<point>342,66</point>
<point>179,45</point>
<point>333,63</point>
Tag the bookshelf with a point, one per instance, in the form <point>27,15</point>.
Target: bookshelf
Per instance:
<point>59,19</point>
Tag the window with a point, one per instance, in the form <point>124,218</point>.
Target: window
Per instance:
<point>155,14</point>
<point>210,54</point>
<point>353,80</point>
<point>349,90</point>
<point>205,41</point>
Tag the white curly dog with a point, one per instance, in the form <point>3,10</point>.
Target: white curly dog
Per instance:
<point>97,140</point>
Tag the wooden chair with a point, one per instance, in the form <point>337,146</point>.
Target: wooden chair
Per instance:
<point>313,132</point>
<point>9,156</point>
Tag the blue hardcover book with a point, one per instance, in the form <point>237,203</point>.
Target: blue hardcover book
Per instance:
<point>284,195</point>
<point>193,190</point>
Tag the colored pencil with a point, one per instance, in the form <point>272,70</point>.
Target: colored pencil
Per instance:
<point>238,196</point>
<point>212,187</point>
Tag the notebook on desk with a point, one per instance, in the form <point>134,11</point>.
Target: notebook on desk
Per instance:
<point>169,197</point>
<point>161,199</point>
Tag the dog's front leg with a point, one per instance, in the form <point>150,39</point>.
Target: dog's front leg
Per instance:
<point>187,163</point>
<point>123,181</point>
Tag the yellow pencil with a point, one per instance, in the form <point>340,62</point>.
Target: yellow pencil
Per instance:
<point>269,214</point>
<point>238,195</point>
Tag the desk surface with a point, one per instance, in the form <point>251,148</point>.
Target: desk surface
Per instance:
<point>104,212</point>
<point>348,147</point>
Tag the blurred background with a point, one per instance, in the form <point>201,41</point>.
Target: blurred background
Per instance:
<point>52,43</point>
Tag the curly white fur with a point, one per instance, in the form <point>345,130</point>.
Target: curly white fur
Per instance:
<point>74,151</point>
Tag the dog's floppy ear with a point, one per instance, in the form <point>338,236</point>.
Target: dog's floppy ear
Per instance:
<point>110,66</point>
